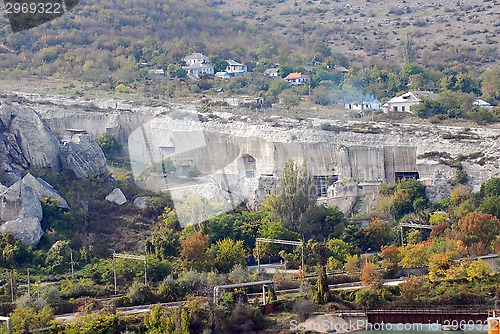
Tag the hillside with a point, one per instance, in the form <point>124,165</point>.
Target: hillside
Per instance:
<point>100,38</point>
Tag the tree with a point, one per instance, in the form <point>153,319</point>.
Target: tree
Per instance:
<point>337,252</point>
<point>109,144</point>
<point>490,86</point>
<point>390,258</point>
<point>378,233</point>
<point>478,270</point>
<point>194,251</point>
<point>229,254</point>
<point>352,264</point>
<point>28,320</point>
<point>479,227</point>
<point>322,291</point>
<point>289,98</point>
<point>413,289</point>
<point>369,275</point>
<point>295,195</point>
<point>276,87</point>
<point>414,256</point>
<point>440,263</point>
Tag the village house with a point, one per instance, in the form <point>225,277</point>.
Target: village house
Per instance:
<point>272,72</point>
<point>297,79</point>
<point>374,105</point>
<point>157,74</point>
<point>236,69</point>
<point>222,75</point>
<point>198,69</point>
<point>403,103</point>
<point>195,58</point>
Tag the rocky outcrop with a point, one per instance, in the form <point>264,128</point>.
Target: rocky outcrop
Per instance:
<point>26,141</point>
<point>83,156</point>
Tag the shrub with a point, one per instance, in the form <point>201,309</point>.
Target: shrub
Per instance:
<point>304,308</point>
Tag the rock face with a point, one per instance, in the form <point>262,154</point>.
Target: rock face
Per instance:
<point>117,197</point>
<point>26,142</point>
<point>21,208</point>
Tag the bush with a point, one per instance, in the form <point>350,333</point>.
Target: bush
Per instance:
<point>304,308</point>
<point>140,294</point>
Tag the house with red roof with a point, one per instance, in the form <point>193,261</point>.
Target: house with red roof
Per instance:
<point>297,79</point>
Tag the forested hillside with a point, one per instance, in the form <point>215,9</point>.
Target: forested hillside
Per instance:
<point>104,37</point>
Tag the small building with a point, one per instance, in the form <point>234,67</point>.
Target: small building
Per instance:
<point>375,105</point>
<point>297,79</point>
<point>157,74</point>
<point>222,75</point>
<point>272,72</point>
<point>341,69</point>
<point>482,104</point>
<point>195,58</point>
<point>198,69</point>
<point>403,103</point>
<point>236,69</point>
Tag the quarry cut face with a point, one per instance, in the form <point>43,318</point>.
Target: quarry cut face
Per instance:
<point>237,162</point>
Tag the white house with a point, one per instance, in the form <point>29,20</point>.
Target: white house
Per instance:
<point>195,58</point>
<point>403,103</point>
<point>297,79</point>
<point>222,75</point>
<point>197,69</point>
<point>234,68</point>
<point>482,104</point>
<point>375,105</point>
<point>272,72</point>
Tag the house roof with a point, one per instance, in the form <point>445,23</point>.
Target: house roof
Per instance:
<point>413,96</point>
<point>197,66</point>
<point>234,63</point>
<point>340,68</point>
<point>158,71</point>
<point>295,75</point>
<point>481,103</point>
<point>196,56</point>
<point>272,70</point>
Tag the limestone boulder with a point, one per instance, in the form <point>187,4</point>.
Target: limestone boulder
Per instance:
<point>141,202</point>
<point>117,196</point>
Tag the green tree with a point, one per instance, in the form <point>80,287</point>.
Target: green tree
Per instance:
<point>109,144</point>
<point>294,196</point>
<point>478,270</point>
<point>276,87</point>
<point>228,254</point>
<point>27,320</point>
<point>289,98</point>
<point>322,291</point>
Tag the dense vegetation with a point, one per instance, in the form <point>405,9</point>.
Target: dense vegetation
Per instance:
<point>186,263</point>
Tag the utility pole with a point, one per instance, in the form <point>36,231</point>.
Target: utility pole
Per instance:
<point>29,284</point>
<point>72,268</point>
<point>12,283</point>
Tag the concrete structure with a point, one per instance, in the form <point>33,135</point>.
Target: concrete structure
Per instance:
<point>403,103</point>
<point>375,105</point>
<point>482,104</point>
